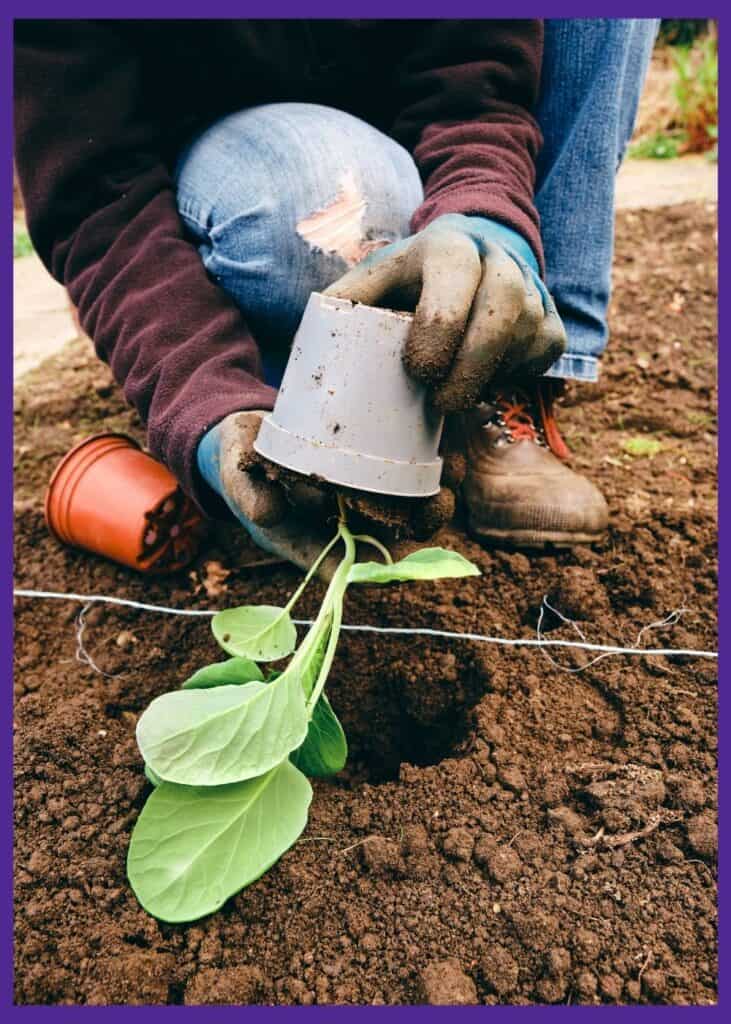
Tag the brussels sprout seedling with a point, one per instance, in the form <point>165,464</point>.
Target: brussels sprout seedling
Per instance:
<point>229,753</point>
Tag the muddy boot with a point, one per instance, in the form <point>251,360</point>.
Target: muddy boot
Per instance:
<point>518,489</point>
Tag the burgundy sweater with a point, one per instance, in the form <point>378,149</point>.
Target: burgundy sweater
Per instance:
<point>102,108</point>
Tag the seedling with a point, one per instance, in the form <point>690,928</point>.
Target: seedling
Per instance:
<point>229,753</point>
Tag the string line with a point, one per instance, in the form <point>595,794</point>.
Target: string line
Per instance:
<point>389,630</point>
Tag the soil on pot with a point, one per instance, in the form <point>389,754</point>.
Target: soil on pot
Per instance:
<point>506,831</point>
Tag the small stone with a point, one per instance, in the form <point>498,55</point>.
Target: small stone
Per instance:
<point>458,844</point>
<point>125,640</point>
<point>444,983</point>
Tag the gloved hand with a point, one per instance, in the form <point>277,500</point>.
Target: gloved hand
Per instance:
<point>229,465</point>
<point>294,519</point>
<point>480,305</point>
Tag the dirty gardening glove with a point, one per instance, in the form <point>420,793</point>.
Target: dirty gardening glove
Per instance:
<point>290,516</point>
<point>229,465</point>
<point>480,305</point>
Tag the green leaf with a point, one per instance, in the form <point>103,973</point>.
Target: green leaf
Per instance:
<point>325,749</point>
<point>193,848</point>
<point>234,671</point>
<point>151,777</point>
<point>260,632</point>
<point>642,447</point>
<point>227,734</point>
<point>425,564</point>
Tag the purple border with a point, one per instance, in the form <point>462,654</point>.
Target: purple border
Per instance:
<point>276,9</point>
<point>336,9</point>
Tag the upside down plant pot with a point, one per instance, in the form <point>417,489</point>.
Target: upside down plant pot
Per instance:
<point>108,496</point>
<point>347,411</point>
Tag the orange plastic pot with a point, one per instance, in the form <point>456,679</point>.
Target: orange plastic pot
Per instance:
<point>108,496</point>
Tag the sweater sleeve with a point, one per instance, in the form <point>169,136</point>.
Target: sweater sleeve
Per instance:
<point>102,215</point>
<point>466,92</point>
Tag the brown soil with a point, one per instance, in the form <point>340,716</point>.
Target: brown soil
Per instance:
<point>505,832</point>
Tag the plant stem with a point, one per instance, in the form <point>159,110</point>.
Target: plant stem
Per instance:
<point>341,509</point>
<point>365,538</point>
<point>329,617</point>
<point>321,623</point>
<point>334,604</point>
<point>311,572</point>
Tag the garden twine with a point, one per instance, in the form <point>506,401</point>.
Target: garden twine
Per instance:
<point>602,650</point>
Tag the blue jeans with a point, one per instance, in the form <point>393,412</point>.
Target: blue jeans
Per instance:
<point>282,199</point>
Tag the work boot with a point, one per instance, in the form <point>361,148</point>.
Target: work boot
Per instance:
<point>518,488</point>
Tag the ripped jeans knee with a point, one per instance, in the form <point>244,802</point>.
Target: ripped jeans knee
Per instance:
<point>282,199</point>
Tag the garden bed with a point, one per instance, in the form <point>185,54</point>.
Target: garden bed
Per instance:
<point>504,831</point>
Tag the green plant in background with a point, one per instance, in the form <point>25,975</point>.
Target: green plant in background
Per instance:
<point>660,146</point>
<point>682,31</point>
<point>696,92</point>
<point>229,753</point>
<point>690,125</point>
<point>22,245</point>
<point>642,447</point>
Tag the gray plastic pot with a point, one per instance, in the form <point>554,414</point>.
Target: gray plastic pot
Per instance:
<point>347,411</point>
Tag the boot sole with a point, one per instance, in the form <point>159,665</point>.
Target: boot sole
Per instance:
<point>536,538</point>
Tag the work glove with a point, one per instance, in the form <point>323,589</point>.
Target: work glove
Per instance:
<point>230,466</point>
<point>481,308</point>
<point>287,515</point>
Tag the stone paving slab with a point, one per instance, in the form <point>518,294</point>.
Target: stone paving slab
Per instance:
<point>42,322</point>
<point>650,183</point>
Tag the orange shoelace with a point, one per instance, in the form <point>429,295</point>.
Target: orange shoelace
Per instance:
<point>517,415</point>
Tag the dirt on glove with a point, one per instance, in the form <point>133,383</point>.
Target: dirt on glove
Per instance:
<point>505,831</point>
<point>389,518</point>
